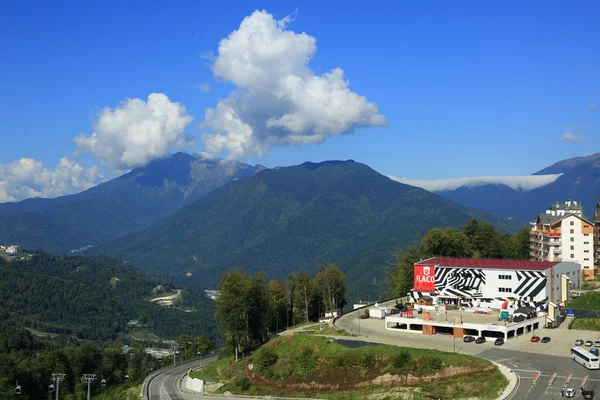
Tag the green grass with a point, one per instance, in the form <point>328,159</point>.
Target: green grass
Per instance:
<point>306,359</point>
<point>215,371</point>
<point>586,301</point>
<point>586,324</point>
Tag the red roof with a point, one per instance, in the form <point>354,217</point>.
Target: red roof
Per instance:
<point>482,263</point>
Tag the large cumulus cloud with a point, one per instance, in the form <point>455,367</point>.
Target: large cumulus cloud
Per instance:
<point>137,132</point>
<point>27,177</point>
<point>279,100</point>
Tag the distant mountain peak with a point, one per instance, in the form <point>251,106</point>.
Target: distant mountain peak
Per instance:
<point>313,166</point>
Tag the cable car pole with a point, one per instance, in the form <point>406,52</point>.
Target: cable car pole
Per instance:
<point>58,378</point>
<point>88,378</point>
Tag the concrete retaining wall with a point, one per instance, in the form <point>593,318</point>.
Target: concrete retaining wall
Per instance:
<point>197,385</point>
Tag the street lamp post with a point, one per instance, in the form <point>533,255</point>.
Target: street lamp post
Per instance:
<point>88,378</point>
<point>358,312</point>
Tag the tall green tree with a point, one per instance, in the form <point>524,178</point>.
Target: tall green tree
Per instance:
<point>258,309</point>
<point>278,305</point>
<point>330,284</point>
<point>289,285</point>
<point>231,308</point>
<point>402,275</point>
<point>304,293</point>
<point>449,242</point>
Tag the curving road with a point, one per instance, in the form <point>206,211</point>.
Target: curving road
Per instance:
<point>541,376</point>
<point>165,385</point>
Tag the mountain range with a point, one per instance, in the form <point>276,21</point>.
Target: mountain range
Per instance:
<point>579,180</point>
<point>192,218</point>
<point>117,207</point>
<point>293,219</point>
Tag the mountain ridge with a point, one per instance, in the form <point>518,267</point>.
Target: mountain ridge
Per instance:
<point>116,207</point>
<point>292,218</point>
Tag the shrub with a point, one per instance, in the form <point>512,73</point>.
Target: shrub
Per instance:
<point>435,364</point>
<point>265,358</point>
<point>403,359</point>
<point>367,361</point>
<point>305,362</point>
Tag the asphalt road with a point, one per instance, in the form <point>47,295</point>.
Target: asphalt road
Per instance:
<point>552,371</point>
<point>165,385</point>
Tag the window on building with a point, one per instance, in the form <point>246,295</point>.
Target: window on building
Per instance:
<point>572,230</point>
<point>586,234</point>
<point>505,290</point>
<point>572,247</point>
<point>586,251</point>
<point>572,256</point>
<point>586,242</point>
<point>586,259</point>
<point>505,276</point>
<point>572,239</point>
<point>572,223</point>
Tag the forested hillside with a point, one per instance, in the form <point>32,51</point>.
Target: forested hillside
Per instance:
<point>93,299</point>
<point>292,219</point>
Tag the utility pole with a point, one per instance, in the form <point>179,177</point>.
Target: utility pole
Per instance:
<point>358,312</point>
<point>88,378</point>
<point>58,378</point>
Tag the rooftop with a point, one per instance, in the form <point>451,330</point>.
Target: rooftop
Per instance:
<point>486,263</point>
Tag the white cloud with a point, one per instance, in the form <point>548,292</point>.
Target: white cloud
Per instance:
<point>27,178</point>
<point>204,87</point>
<point>569,137</point>
<point>525,183</point>
<point>279,100</point>
<point>137,132</point>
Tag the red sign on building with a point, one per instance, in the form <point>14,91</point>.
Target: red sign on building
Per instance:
<point>424,278</point>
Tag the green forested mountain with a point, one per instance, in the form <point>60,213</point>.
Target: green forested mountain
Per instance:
<point>116,207</point>
<point>92,299</point>
<point>291,219</point>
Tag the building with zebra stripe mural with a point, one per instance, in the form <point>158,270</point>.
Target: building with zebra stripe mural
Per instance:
<point>479,283</point>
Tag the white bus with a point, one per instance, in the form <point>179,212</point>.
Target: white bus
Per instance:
<point>585,358</point>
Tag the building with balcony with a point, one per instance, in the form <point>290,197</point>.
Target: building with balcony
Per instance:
<point>563,234</point>
<point>597,238</point>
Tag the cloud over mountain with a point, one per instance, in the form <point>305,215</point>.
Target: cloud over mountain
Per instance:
<point>137,132</point>
<point>524,183</point>
<point>27,178</point>
<point>279,100</point>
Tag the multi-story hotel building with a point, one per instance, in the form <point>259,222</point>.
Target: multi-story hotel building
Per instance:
<point>563,234</point>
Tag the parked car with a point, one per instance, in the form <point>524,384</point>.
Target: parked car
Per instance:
<point>579,342</point>
<point>587,394</point>
<point>480,340</point>
<point>535,338</point>
<point>545,339</point>
<point>594,351</point>
<point>570,392</point>
<point>589,343</point>
<point>468,339</point>
<point>597,343</point>
<point>499,342</point>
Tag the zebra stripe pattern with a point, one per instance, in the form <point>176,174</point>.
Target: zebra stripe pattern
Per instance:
<point>530,283</point>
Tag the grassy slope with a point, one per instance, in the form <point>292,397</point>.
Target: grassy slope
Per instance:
<point>316,359</point>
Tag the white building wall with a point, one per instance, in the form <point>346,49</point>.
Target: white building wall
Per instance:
<point>570,269</point>
<point>576,246</point>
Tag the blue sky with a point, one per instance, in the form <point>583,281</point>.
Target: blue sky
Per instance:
<point>466,88</point>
